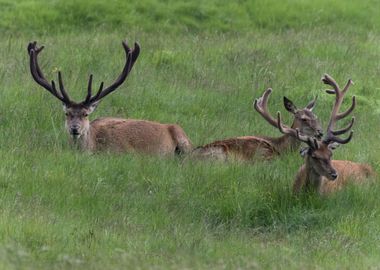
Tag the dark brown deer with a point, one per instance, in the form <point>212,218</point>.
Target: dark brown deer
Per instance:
<point>111,134</point>
<point>320,173</point>
<point>252,148</point>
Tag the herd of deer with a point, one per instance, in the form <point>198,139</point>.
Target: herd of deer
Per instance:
<point>318,173</point>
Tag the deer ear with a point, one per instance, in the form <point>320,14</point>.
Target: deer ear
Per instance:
<point>311,104</point>
<point>289,106</point>
<point>333,146</point>
<point>92,107</point>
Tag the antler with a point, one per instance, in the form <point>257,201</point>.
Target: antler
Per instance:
<point>331,135</point>
<point>261,106</point>
<point>131,57</point>
<point>39,77</point>
<point>311,141</point>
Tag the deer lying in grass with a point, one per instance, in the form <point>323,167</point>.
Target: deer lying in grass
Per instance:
<point>114,134</point>
<point>251,148</point>
<point>320,173</point>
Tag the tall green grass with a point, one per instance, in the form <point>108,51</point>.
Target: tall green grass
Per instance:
<point>45,16</point>
<point>201,65</point>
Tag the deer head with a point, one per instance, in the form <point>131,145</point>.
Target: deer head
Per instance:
<point>319,152</point>
<point>77,122</point>
<point>304,119</point>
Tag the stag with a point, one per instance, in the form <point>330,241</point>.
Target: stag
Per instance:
<point>110,134</point>
<point>320,173</point>
<point>252,148</point>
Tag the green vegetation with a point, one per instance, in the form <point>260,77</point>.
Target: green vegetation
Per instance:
<point>201,65</point>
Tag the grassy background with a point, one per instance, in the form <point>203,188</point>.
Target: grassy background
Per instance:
<point>201,65</point>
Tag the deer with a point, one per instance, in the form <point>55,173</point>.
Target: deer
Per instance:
<point>320,173</point>
<point>109,133</point>
<point>253,148</point>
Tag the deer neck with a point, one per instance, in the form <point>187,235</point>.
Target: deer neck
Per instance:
<point>313,178</point>
<point>85,141</point>
<point>284,143</point>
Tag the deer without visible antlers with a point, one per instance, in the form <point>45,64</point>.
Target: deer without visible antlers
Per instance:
<point>320,173</point>
<point>251,148</point>
<point>114,134</point>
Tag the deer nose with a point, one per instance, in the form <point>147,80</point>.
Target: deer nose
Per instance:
<point>333,175</point>
<point>74,130</point>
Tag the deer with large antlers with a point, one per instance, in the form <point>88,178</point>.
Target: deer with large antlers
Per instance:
<point>320,173</point>
<point>111,134</point>
<point>252,148</point>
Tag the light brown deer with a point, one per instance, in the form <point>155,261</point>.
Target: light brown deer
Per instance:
<point>252,148</point>
<point>320,173</point>
<point>111,134</point>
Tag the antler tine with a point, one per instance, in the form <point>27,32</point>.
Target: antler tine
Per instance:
<point>89,90</point>
<point>291,131</point>
<point>340,140</point>
<point>335,115</point>
<point>327,79</point>
<point>95,98</point>
<point>309,140</point>
<point>33,46</point>
<point>136,50</point>
<point>38,76</point>
<point>348,84</point>
<point>284,129</point>
<point>62,88</point>
<point>345,129</point>
<point>131,57</point>
<point>349,110</point>
<point>261,106</point>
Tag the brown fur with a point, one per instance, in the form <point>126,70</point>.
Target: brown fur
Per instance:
<point>241,148</point>
<point>314,175</point>
<point>348,171</point>
<point>248,148</point>
<point>252,148</point>
<point>129,135</point>
<point>320,173</point>
<point>110,134</point>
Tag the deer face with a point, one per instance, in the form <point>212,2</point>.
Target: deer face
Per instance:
<point>320,161</point>
<point>304,119</point>
<point>77,122</point>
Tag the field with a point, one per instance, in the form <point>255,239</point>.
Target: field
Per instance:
<point>201,65</point>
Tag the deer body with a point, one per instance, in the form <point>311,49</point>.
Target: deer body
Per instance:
<point>240,148</point>
<point>111,134</point>
<point>130,135</point>
<point>347,171</point>
<point>253,148</point>
<point>248,148</point>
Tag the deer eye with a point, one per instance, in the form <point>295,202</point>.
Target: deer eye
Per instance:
<point>85,114</point>
<point>67,114</point>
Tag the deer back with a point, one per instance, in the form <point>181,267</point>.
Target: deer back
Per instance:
<point>130,135</point>
<point>246,148</point>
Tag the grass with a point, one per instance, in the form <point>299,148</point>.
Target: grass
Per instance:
<point>201,65</point>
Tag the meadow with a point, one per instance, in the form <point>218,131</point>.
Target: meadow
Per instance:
<point>201,65</point>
